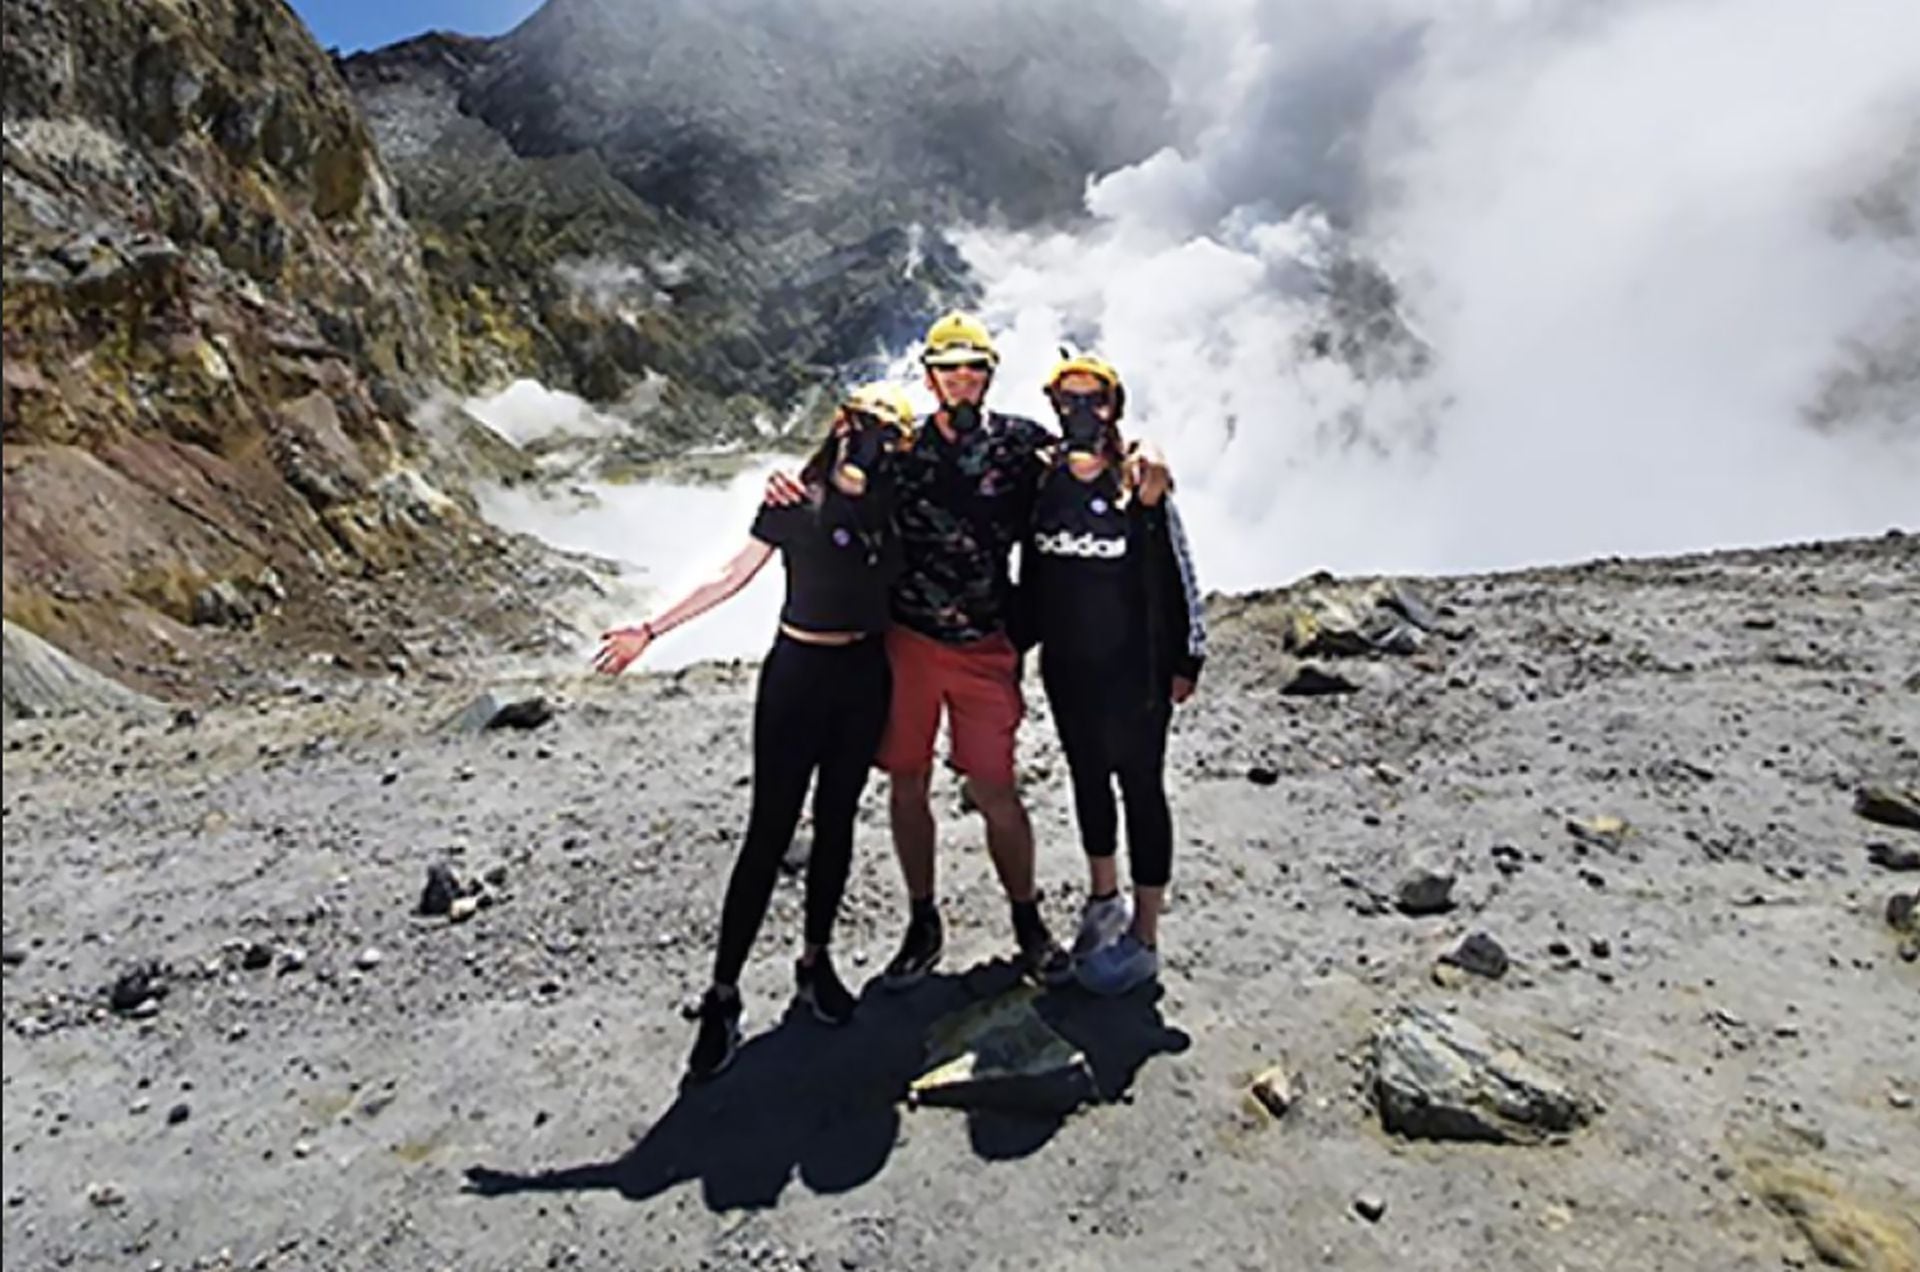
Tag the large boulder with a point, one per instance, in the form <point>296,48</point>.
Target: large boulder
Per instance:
<point>1445,1078</point>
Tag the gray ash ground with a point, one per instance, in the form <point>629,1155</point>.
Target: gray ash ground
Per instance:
<point>334,1080</point>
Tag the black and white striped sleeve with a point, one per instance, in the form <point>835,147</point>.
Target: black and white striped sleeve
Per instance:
<point>1191,621</point>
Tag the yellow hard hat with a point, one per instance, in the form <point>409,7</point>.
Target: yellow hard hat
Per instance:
<point>958,338</point>
<point>1083,364</point>
<point>883,401</point>
<point>1089,364</point>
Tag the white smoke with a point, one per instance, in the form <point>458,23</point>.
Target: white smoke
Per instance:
<point>1615,225</point>
<point>669,538</point>
<point>527,411</point>
<point>1625,239</point>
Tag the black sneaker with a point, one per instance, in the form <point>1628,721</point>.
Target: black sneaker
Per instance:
<point>919,952</point>
<point>718,1039</point>
<point>819,987</point>
<point>1041,957</point>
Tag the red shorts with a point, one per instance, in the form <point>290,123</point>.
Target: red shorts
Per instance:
<point>979,684</point>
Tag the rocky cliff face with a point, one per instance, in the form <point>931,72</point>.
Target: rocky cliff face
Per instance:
<point>223,306</point>
<point>214,326</point>
<point>698,213</point>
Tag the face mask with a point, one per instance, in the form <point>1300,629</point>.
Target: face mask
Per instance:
<point>1086,432</point>
<point>964,417</point>
<point>867,442</point>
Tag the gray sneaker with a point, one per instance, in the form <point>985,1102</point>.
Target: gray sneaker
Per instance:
<point>1101,923</point>
<point>1118,968</point>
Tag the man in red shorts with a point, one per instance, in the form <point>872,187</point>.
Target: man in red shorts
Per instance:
<point>965,498</point>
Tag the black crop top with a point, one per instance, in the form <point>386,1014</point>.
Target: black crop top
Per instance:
<point>842,557</point>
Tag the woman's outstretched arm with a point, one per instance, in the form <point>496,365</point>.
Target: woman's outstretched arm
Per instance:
<point>624,644</point>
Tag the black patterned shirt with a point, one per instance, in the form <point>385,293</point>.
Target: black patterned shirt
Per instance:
<point>962,506</point>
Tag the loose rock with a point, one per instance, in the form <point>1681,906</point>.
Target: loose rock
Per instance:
<point>1311,682</point>
<point>137,985</point>
<point>1602,832</point>
<point>441,891</point>
<point>494,711</point>
<point>1370,1207</point>
<point>105,1195</point>
<point>1438,1077</point>
<point>1894,856</point>
<point>1480,954</point>
<point>1427,890</point>
<point>1274,1089</point>
<point>1888,805</point>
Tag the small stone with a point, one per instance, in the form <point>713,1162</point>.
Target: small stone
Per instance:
<point>441,890</point>
<point>139,1106</point>
<point>1600,947</point>
<point>1894,856</point>
<point>369,959</point>
<point>292,959</point>
<point>1274,1089</point>
<point>1559,949</point>
<point>496,877</point>
<point>145,1009</point>
<point>237,1033</point>
<point>136,986</point>
<point>258,955</point>
<point>463,908</point>
<point>302,1148</point>
<point>1480,954</point>
<point>105,1195</point>
<point>1262,776</point>
<point>1370,1207</point>
<point>1312,682</point>
<point>1603,832</point>
<point>1903,911</point>
<point>1889,806</point>
<point>178,1114</point>
<point>1426,890</point>
<point>13,955</point>
<point>1900,1099</point>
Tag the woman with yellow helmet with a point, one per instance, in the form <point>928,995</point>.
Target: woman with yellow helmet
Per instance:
<point>1108,592</point>
<point>823,696</point>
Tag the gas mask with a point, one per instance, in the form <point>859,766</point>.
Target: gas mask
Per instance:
<point>867,442</point>
<point>1086,433</point>
<point>963,417</point>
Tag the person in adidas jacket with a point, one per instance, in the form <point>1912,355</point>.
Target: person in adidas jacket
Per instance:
<point>1109,594</point>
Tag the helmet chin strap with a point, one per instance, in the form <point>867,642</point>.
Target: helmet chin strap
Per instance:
<point>963,417</point>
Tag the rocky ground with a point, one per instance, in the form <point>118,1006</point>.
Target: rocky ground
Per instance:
<point>1640,777</point>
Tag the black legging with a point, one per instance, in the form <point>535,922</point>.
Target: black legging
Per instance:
<point>1107,736</point>
<point>819,707</point>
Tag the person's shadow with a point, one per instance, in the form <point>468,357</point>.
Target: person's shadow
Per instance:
<point>825,1103</point>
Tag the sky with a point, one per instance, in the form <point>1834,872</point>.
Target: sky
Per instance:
<point>353,25</point>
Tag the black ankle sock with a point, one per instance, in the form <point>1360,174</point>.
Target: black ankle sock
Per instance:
<point>1108,895</point>
<point>925,910</point>
<point>1026,920</point>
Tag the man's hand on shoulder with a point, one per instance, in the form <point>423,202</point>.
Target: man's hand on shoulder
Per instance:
<point>783,491</point>
<point>1147,468</point>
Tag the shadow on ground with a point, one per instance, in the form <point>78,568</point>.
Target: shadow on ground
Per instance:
<point>824,1104</point>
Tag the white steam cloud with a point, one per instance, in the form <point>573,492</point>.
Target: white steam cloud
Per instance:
<point>1617,226</point>
<point>1627,256</point>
